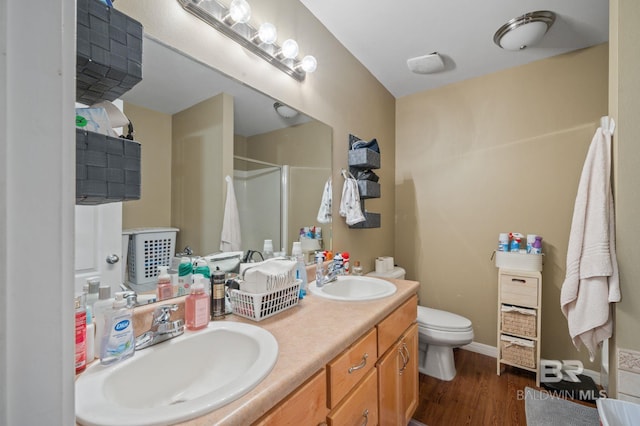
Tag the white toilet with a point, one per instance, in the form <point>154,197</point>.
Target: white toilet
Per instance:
<point>438,333</point>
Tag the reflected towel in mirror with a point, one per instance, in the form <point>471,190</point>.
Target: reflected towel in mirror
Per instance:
<point>230,237</point>
<point>324,212</point>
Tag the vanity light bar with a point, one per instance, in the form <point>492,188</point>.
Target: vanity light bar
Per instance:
<point>217,15</point>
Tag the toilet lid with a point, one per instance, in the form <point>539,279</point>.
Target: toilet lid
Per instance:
<point>441,320</point>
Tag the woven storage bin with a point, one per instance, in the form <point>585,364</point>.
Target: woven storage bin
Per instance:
<point>519,323</point>
<point>108,52</point>
<point>107,168</point>
<point>517,353</point>
<point>258,306</point>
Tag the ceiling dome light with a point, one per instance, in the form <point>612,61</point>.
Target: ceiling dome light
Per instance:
<point>267,33</point>
<point>284,111</point>
<point>524,31</point>
<point>309,64</point>
<point>289,49</point>
<point>240,11</point>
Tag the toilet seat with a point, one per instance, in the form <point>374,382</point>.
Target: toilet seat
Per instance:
<point>435,319</point>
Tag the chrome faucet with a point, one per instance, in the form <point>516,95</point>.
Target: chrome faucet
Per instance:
<point>161,327</point>
<point>332,273</point>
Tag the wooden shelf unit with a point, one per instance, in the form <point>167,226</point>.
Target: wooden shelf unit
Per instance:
<point>522,289</point>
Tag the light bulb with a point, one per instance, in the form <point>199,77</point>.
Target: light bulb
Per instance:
<point>289,49</point>
<point>309,63</point>
<point>268,33</point>
<point>240,11</point>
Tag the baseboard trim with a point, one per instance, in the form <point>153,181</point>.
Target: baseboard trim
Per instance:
<point>492,351</point>
<point>482,349</point>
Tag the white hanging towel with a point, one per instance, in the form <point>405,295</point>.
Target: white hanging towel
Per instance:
<point>230,237</point>
<point>350,201</point>
<point>591,281</point>
<point>324,212</point>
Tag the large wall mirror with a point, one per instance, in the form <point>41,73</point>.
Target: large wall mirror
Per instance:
<point>196,127</point>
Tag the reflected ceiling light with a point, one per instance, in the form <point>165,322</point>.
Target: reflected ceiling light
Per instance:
<point>284,111</point>
<point>524,31</point>
<point>234,23</point>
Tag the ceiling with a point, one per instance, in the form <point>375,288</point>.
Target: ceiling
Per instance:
<point>383,35</point>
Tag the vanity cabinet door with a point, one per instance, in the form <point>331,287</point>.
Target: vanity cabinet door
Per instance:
<point>307,405</point>
<point>398,380</point>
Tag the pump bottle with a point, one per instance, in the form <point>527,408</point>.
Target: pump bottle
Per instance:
<point>118,340</point>
<point>165,289</point>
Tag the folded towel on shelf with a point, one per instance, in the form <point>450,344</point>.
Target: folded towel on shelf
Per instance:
<point>591,281</point>
<point>324,212</point>
<point>230,236</point>
<point>350,207</point>
<point>269,275</point>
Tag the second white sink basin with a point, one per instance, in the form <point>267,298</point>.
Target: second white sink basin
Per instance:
<point>354,288</point>
<point>179,379</point>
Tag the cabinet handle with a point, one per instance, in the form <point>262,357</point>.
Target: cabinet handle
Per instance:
<point>365,414</point>
<point>519,280</point>
<point>361,365</point>
<point>404,360</point>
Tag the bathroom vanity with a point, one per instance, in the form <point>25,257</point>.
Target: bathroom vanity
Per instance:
<point>320,342</point>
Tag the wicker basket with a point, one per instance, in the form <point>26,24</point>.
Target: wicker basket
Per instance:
<point>520,321</point>
<point>258,306</point>
<point>518,351</point>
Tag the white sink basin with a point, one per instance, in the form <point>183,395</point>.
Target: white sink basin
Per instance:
<point>178,379</point>
<point>354,288</point>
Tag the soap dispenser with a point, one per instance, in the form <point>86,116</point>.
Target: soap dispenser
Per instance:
<point>197,307</point>
<point>165,289</point>
<point>118,339</point>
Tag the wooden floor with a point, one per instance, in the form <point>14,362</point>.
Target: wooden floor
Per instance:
<point>476,396</point>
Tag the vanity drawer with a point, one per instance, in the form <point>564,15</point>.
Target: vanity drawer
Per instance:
<point>351,366</point>
<point>360,407</point>
<point>519,290</point>
<point>392,327</point>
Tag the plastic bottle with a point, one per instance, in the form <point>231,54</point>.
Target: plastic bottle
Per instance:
<point>301,268</point>
<point>267,249</point>
<point>319,269</point>
<point>91,336</point>
<point>345,263</point>
<point>104,304</point>
<point>503,241</point>
<point>165,289</point>
<point>537,245</point>
<point>357,269</point>
<point>185,270</point>
<point>217,293</point>
<point>338,265</point>
<point>531,238</point>
<point>516,239</point>
<point>81,333</point>
<point>202,267</point>
<point>196,306</point>
<point>94,288</point>
<point>118,340</point>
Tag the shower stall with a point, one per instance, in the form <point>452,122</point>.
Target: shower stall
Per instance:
<point>275,201</point>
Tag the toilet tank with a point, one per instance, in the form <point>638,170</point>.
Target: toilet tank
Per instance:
<point>396,273</point>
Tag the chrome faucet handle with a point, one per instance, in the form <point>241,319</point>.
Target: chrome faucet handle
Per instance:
<point>162,314</point>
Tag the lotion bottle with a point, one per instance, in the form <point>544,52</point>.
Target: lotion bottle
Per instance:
<point>165,287</point>
<point>118,341</point>
<point>197,306</point>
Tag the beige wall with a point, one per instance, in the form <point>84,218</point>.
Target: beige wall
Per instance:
<point>624,106</point>
<point>153,131</point>
<point>199,138</point>
<point>341,93</point>
<point>498,153</point>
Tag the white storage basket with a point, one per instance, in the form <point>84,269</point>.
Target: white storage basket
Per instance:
<point>258,306</point>
<point>148,249</point>
<point>519,261</point>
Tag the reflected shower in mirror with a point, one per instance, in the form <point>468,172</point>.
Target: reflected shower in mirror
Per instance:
<point>196,127</point>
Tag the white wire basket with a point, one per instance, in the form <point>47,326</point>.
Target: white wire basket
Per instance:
<point>258,306</point>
